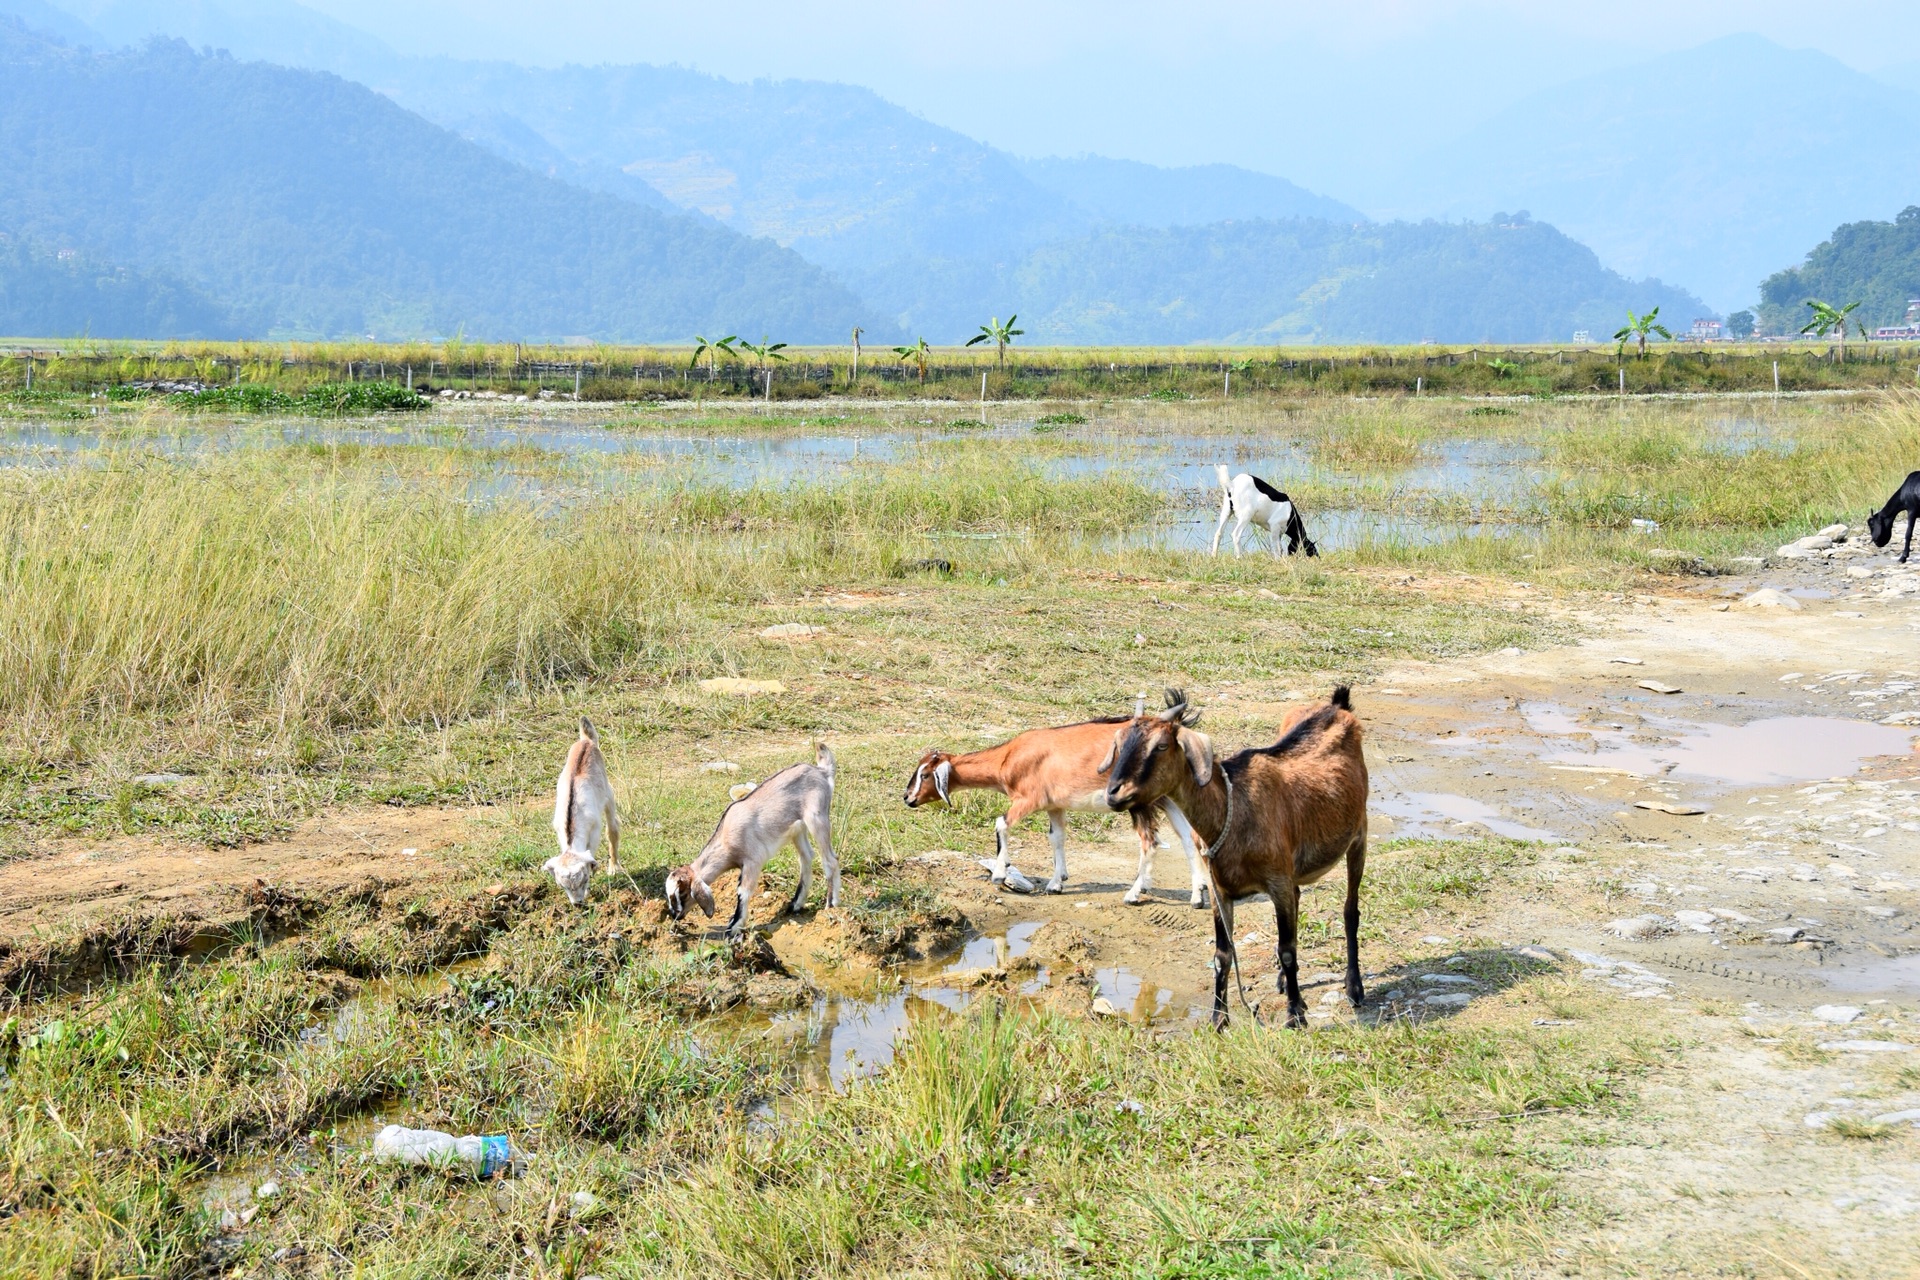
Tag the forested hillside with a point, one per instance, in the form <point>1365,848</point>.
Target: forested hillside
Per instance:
<point>1876,264</point>
<point>1509,280</point>
<point>43,295</point>
<point>311,206</point>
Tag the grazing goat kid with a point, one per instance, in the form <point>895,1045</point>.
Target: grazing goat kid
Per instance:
<point>582,808</point>
<point>795,804</point>
<point>1293,812</point>
<point>1906,498</point>
<point>1252,501</point>
<point>1056,770</point>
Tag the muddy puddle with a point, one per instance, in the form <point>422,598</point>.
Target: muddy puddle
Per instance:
<point>845,1036</point>
<point>1432,813</point>
<point>1767,752</point>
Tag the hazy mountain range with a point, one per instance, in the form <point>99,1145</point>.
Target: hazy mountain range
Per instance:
<point>909,227</point>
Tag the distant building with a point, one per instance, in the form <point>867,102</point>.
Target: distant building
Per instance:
<point>1704,330</point>
<point>1581,337</point>
<point>1906,332</point>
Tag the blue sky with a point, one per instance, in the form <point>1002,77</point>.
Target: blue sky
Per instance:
<point>1313,91</point>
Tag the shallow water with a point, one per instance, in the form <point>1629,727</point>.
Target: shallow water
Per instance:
<point>841,1038</point>
<point>1423,812</point>
<point>1776,750</point>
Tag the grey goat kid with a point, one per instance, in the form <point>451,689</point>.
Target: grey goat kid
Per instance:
<point>795,804</point>
<point>583,809</point>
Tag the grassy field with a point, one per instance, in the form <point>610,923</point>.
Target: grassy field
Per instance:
<point>294,626</point>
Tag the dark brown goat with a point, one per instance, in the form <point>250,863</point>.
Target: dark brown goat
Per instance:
<point>1273,818</point>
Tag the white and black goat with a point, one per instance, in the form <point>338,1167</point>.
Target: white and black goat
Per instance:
<point>1906,498</point>
<point>795,804</point>
<point>1252,501</point>
<point>583,810</point>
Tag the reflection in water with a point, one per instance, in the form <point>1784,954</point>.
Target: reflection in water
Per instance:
<point>1765,752</point>
<point>1418,812</point>
<point>842,1039</point>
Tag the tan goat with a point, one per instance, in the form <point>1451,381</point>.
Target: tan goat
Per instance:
<point>1056,771</point>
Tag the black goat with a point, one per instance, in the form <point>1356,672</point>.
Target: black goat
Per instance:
<point>1906,498</point>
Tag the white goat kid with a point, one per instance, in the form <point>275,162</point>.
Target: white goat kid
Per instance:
<point>583,810</point>
<point>795,804</point>
<point>1251,500</point>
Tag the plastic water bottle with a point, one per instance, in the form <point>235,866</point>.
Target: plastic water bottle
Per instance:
<point>482,1155</point>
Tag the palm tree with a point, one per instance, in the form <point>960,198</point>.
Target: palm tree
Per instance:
<point>1000,335</point>
<point>917,353</point>
<point>1829,319</point>
<point>712,351</point>
<point>1639,328</point>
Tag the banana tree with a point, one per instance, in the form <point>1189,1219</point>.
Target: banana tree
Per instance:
<point>1830,319</point>
<point>1639,329</point>
<point>917,353</point>
<point>1000,335</point>
<point>713,350</point>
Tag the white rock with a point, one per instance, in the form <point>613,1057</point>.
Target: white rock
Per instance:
<point>1818,1119</point>
<point>720,766</point>
<point>1723,914</point>
<point>1104,1007</point>
<point>1787,933</point>
<point>1541,954</point>
<point>1859,571</point>
<point>266,1190</point>
<point>1865,1046</point>
<point>1769,598</point>
<point>790,631</point>
<point>1841,1013</point>
<point>1833,533</point>
<point>1637,927</point>
<point>1252,939</point>
<point>583,1203</point>
<point>1435,940</point>
<point>1448,1000</point>
<point>1696,919</point>
<point>1129,1106</point>
<point>1899,1117</point>
<point>1449,979</point>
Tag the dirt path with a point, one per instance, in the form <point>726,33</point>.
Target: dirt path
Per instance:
<point>78,883</point>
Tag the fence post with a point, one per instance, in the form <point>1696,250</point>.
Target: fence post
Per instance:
<point>1419,385</point>
<point>29,371</point>
<point>1623,379</point>
<point>576,381</point>
<point>983,398</point>
<point>1776,379</point>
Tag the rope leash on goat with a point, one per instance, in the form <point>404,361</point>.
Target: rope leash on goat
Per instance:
<point>1219,912</point>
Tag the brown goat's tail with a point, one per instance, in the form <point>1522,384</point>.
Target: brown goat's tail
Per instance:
<point>1342,697</point>
<point>586,731</point>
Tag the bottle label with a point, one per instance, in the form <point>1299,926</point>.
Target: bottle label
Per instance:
<point>495,1155</point>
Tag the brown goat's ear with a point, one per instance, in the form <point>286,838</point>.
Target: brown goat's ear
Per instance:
<point>942,780</point>
<point>1199,749</point>
<point>703,895</point>
<point>1112,751</point>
